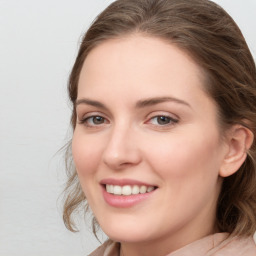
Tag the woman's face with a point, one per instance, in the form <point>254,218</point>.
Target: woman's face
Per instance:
<point>147,145</point>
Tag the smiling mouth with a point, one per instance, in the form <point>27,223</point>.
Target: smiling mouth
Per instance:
<point>128,190</point>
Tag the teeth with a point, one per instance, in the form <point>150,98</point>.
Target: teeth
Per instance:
<point>135,190</point>
<point>143,189</point>
<point>149,189</point>
<point>128,190</point>
<point>117,190</point>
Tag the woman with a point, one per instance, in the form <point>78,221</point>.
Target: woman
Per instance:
<point>164,119</point>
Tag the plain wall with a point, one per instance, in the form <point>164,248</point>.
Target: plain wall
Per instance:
<point>38,44</point>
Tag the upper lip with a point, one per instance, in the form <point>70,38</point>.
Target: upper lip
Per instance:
<point>123,182</point>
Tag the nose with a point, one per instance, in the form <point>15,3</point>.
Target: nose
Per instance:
<point>122,149</point>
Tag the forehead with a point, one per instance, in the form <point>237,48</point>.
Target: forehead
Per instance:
<point>138,50</point>
<point>139,66</point>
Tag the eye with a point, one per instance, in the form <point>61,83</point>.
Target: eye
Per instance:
<point>162,120</point>
<point>93,121</point>
<point>96,120</point>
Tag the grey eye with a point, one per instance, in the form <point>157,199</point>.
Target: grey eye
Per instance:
<point>97,120</point>
<point>162,120</point>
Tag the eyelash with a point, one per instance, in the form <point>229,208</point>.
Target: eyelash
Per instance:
<point>171,120</point>
<point>158,118</point>
<point>86,120</point>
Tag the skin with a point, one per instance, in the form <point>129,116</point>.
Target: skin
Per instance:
<point>182,158</point>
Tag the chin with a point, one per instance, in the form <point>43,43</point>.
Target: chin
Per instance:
<point>121,232</point>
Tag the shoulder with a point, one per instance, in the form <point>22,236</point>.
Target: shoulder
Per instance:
<point>239,246</point>
<point>219,244</point>
<point>109,248</point>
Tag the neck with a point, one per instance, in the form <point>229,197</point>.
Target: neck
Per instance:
<point>162,246</point>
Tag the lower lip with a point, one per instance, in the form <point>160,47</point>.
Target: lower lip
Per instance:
<point>124,201</point>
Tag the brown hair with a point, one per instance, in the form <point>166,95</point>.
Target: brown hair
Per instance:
<point>211,37</point>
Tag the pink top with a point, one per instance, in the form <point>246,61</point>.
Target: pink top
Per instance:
<point>219,244</point>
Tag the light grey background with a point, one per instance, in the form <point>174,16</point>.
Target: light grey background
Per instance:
<point>38,44</point>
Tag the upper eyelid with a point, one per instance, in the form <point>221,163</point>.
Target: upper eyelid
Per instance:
<point>91,114</point>
<point>88,117</point>
<point>170,117</point>
<point>172,120</point>
<point>91,110</point>
<point>86,114</point>
<point>163,113</point>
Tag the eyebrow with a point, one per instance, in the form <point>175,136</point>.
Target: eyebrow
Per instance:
<point>158,100</point>
<point>90,102</point>
<point>139,104</point>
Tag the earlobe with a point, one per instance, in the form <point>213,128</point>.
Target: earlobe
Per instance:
<point>239,140</point>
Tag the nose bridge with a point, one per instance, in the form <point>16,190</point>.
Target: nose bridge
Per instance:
<point>122,148</point>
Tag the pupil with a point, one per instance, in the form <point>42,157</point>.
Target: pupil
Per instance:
<point>98,120</point>
<point>163,120</point>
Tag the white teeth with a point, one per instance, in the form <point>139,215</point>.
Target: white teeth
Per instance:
<point>143,189</point>
<point>117,190</point>
<point>135,190</point>
<point>128,190</point>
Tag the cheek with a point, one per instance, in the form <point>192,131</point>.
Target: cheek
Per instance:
<point>86,153</point>
<point>186,159</point>
<point>188,169</point>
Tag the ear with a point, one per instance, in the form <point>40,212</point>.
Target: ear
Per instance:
<point>239,141</point>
